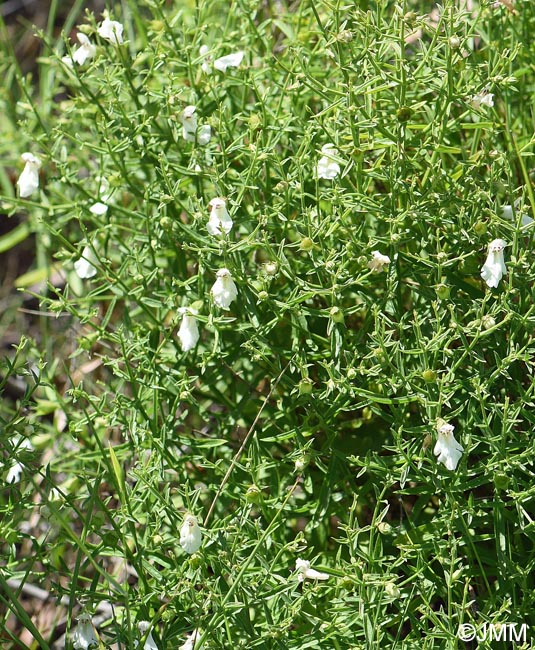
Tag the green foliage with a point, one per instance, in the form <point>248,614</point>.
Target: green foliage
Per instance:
<point>302,423</point>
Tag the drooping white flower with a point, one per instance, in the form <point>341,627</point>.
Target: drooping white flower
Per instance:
<point>494,268</point>
<point>191,640</point>
<point>229,61</point>
<point>100,207</point>
<point>84,636</point>
<point>447,449</point>
<point>219,217</point>
<point>222,63</point>
<point>327,166</point>
<point>206,65</point>
<point>378,261</point>
<point>508,214</point>
<point>15,472</point>
<point>149,644</point>
<point>190,535</point>
<point>305,572</point>
<point>188,332</point>
<point>83,53</point>
<point>84,266</point>
<point>483,98</point>
<point>224,290</point>
<point>111,31</point>
<point>191,132</point>
<point>29,179</point>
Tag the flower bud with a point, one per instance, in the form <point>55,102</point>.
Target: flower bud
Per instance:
<point>166,223</point>
<point>392,590</point>
<point>429,376</point>
<point>253,494</point>
<point>480,228</point>
<point>454,42</point>
<point>384,528</point>
<point>337,315</point>
<point>487,322</point>
<point>305,386</point>
<point>501,481</point>
<point>306,244</point>
<point>301,463</point>
<point>443,291</point>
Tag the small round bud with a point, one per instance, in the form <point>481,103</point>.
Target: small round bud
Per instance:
<point>255,121</point>
<point>345,36</point>
<point>480,228</point>
<point>253,494</point>
<point>301,463</point>
<point>347,583</point>
<point>166,223</point>
<point>367,414</point>
<point>487,322</point>
<point>384,528</point>
<point>271,268</point>
<point>429,376</point>
<point>501,481</point>
<point>263,295</point>
<point>337,315</point>
<point>454,42</point>
<point>392,590</point>
<point>305,386</point>
<point>443,291</point>
<point>351,373</point>
<point>195,561</point>
<point>306,244</point>
<point>404,114</point>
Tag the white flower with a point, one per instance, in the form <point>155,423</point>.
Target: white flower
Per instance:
<point>99,208</point>
<point>190,535</point>
<point>378,261</point>
<point>224,290</point>
<point>494,267</point>
<point>229,61</point>
<point>188,332</point>
<point>189,643</point>
<point>328,167</point>
<point>190,130</point>
<point>219,217</point>
<point>84,636</point>
<point>206,65</point>
<point>508,214</point>
<point>83,53</point>
<point>15,472</point>
<point>447,449</point>
<point>149,644</point>
<point>84,265</point>
<point>483,98</point>
<point>304,571</point>
<point>29,179</point>
<point>222,63</point>
<point>111,31</point>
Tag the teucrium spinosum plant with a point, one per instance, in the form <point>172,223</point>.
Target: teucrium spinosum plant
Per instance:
<point>277,378</point>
